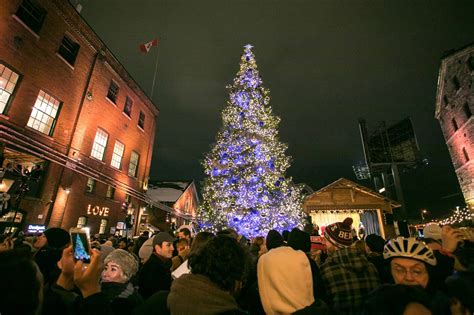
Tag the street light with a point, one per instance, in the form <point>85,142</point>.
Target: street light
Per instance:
<point>423,212</point>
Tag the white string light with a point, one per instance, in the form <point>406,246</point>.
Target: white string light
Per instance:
<point>459,216</point>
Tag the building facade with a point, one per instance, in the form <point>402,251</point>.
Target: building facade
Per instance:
<point>454,108</point>
<point>175,203</point>
<point>76,131</point>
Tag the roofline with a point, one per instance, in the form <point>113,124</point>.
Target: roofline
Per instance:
<point>94,40</point>
<point>189,183</point>
<point>394,203</point>
<point>447,56</point>
<point>451,52</point>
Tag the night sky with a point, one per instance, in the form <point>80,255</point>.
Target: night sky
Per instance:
<point>326,63</point>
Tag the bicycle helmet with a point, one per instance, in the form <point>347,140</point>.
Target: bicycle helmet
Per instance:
<point>409,248</point>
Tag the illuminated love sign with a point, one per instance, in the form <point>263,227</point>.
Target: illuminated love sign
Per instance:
<point>96,210</point>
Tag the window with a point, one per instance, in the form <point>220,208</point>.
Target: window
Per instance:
<point>466,156</point>
<point>113,91</point>
<point>128,198</point>
<point>82,221</point>
<point>132,167</point>
<point>127,109</point>
<point>100,143</point>
<point>68,50</point>
<point>32,14</point>
<point>467,110</point>
<point>141,120</point>
<point>90,186</point>
<point>456,83</point>
<point>43,115</point>
<point>103,226</point>
<point>455,125</point>
<point>110,192</point>
<point>8,81</point>
<point>117,155</point>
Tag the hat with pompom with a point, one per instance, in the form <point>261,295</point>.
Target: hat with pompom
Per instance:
<point>340,233</point>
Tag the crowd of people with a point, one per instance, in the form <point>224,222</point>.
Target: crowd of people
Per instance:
<point>224,273</point>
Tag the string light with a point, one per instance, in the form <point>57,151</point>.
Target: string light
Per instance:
<point>246,188</point>
<point>459,216</point>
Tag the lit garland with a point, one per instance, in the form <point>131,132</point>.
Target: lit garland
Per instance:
<point>246,188</point>
<point>459,216</point>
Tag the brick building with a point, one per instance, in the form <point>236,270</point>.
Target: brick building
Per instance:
<point>74,126</point>
<point>180,196</point>
<point>454,108</point>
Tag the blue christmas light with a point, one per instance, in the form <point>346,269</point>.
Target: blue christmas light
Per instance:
<point>248,154</point>
<point>215,172</point>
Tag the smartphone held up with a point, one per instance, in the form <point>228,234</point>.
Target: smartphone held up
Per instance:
<point>80,240</point>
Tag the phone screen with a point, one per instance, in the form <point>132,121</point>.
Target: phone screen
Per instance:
<point>81,247</point>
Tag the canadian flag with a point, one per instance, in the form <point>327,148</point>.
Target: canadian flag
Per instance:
<point>147,46</point>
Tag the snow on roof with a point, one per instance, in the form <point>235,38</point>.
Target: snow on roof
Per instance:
<point>167,191</point>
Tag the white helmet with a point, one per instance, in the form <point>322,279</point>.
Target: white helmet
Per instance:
<point>409,248</point>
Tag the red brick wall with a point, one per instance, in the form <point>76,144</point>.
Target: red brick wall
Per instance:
<point>35,58</point>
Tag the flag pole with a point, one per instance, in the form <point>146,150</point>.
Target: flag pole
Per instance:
<point>154,75</point>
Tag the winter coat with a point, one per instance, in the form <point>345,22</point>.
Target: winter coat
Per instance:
<point>123,297</point>
<point>154,276</point>
<point>348,277</point>
<point>196,294</point>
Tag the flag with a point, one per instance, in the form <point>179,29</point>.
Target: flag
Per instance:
<point>147,46</point>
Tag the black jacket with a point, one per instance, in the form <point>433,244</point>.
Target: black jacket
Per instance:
<point>155,276</point>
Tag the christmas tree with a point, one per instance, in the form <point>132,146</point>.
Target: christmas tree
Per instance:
<point>246,188</point>
<point>80,252</point>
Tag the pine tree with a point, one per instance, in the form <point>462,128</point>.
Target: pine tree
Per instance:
<point>80,251</point>
<point>246,188</point>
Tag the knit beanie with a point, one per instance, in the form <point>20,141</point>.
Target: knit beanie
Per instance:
<point>299,240</point>
<point>125,260</point>
<point>285,282</point>
<point>340,233</point>
<point>274,239</point>
<point>57,237</point>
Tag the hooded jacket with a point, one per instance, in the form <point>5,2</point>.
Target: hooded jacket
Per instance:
<point>285,281</point>
<point>348,277</point>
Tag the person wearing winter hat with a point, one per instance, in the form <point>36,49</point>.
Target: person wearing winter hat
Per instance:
<point>339,234</point>
<point>54,238</point>
<point>347,276</point>
<point>119,267</point>
<point>274,240</point>
<point>50,245</point>
<point>299,240</point>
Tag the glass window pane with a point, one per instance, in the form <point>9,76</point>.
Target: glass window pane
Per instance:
<point>8,80</point>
